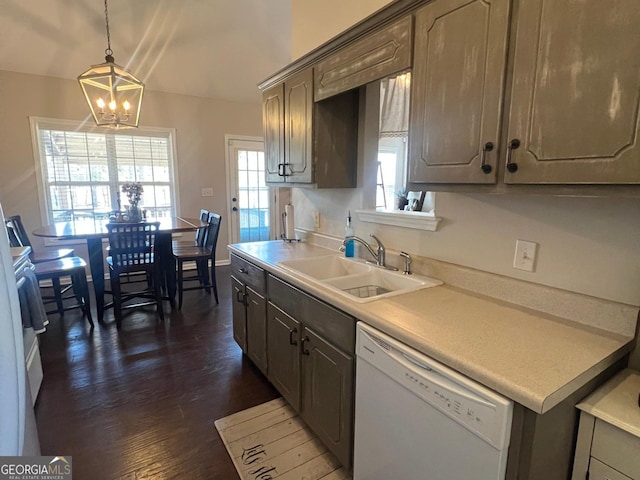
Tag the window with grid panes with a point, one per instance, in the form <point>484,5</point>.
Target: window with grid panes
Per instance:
<point>83,169</point>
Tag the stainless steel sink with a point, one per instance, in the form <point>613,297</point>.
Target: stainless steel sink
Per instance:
<point>355,279</point>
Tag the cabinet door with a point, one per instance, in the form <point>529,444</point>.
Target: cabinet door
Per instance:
<point>273,123</point>
<point>601,471</point>
<point>239,314</point>
<point>576,92</point>
<point>298,127</point>
<point>327,399</point>
<point>283,350</point>
<point>457,93</point>
<point>257,329</point>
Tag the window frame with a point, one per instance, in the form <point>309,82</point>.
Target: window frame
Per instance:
<point>42,123</point>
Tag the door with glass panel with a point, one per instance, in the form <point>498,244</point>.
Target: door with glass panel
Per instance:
<point>251,215</point>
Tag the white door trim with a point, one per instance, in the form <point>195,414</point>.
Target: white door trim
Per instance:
<point>229,140</point>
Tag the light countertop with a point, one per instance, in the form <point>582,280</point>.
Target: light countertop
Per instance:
<point>616,402</point>
<point>535,359</point>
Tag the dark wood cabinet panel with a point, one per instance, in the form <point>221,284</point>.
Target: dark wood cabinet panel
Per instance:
<point>316,143</point>
<point>273,125</point>
<point>457,91</point>
<point>327,407</point>
<point>257,329</point>
<point>283,350</point>
<point>380,54</point>
<point>239,314</point>
<point>575,93</point>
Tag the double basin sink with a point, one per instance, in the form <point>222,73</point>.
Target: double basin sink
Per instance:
<point>356,279</point>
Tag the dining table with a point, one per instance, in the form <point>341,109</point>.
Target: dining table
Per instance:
<point>94,231</point>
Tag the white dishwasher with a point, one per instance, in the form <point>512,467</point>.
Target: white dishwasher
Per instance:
<point>418,419</point>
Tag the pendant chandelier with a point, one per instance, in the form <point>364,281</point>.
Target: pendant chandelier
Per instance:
<point>114,95</point>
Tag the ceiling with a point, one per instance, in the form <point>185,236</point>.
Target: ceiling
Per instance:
<point>208,48</point>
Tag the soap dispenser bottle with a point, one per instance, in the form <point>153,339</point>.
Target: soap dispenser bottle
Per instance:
<point>349,245</point>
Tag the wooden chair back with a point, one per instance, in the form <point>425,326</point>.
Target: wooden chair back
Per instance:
<point>131,244</point>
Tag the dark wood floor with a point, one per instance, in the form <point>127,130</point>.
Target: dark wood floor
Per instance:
<point>141,402</point>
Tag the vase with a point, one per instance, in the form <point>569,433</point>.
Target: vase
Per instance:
<point>134,213</point>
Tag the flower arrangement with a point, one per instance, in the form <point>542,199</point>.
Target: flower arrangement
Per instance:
<point>134,192</point>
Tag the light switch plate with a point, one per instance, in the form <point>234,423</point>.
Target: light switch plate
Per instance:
<point>525,256</point>
<point>207,192</point>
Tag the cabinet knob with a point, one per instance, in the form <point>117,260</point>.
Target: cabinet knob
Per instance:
<point>513,145</point>
<point>488,147</point>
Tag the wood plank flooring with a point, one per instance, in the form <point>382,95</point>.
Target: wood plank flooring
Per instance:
<point>140,403</point>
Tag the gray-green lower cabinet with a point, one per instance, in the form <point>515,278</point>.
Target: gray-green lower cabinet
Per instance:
<point>249,305</point>
<point>310,350</point>
<point>283,340</point>
<point>239,314</point>
<point>327,404</point>
<point>257,329</point>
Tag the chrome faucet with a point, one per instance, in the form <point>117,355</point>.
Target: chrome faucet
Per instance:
<point>379,254</point>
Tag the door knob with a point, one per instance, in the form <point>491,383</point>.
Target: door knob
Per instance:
<point>235,209</point>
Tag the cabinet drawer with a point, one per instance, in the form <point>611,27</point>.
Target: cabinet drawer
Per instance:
<point>377,55</point>
<point>336,326</point>
<point>600,471</point>
<point>616,447</point>
<point>249,274</point>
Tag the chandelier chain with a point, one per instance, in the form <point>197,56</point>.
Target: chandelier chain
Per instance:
<point>108,51</point>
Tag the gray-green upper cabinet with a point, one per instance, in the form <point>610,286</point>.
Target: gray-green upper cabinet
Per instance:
<point>307,142</point>
<point>576,93</point>
<point>377,55</point>
<point>273,125</point>
<point>457,93</point>
<point>298,91</point>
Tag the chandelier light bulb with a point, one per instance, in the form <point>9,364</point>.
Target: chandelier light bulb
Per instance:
<point>112,105</point>
<point>126,105</point>
<point>100,103</point>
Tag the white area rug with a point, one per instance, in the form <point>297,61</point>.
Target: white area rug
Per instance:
<point>270,441</point>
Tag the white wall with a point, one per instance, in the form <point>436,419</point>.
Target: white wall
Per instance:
<point>586,245</point>
<point>313,23</point>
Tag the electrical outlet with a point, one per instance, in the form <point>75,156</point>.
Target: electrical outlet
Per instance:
<point>525,256</point>
<point>316,220</point>
<point>207,192</point>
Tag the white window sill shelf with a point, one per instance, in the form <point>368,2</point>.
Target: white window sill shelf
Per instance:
<point>416,220</point>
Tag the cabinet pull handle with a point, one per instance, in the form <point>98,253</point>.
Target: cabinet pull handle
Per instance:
<point>293,341</point>
<point>240,296</point>
<point>282,172</point>
<point>488,147</point>
<point>243,270</point>
<point>304,350</point>
<point>513,145</point>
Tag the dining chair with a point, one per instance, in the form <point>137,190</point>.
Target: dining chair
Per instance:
<point>201,255</point>
<point>200,232</point>
<point>75,269</point>
<point>18,238</point>
<point>131,251</point>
